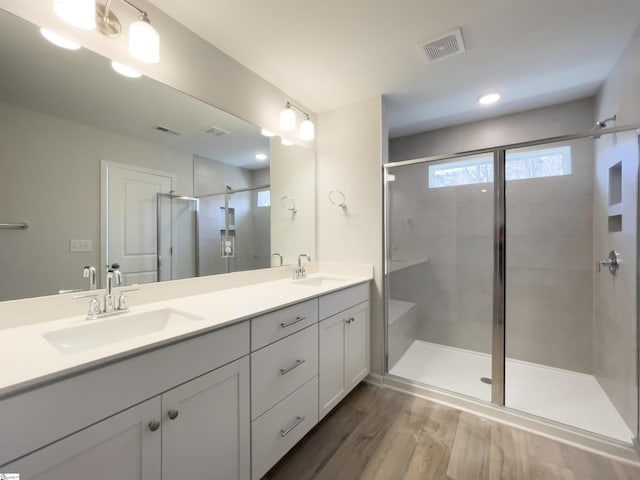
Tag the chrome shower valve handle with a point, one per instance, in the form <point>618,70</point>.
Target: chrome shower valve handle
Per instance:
<point>612,261</point>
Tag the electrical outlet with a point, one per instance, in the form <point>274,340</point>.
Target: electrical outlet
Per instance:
<point>76,246</point>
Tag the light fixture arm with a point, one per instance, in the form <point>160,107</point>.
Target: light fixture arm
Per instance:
<point>108,22</point>
<point>291,105</point>
<point>107,9</point>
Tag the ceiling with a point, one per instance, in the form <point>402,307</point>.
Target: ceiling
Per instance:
<point>80,86</point>
<point>331,53</point>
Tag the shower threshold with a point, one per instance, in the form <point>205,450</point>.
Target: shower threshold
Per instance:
<point>564,396</point>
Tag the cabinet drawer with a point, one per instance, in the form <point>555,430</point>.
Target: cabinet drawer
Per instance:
<point>341,300</point>
<point>281,368</point>
<point>282,427</point>
<point>273,326</point>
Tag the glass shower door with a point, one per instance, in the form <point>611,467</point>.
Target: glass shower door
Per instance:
<point>570,323</point>
<point>440,273</point>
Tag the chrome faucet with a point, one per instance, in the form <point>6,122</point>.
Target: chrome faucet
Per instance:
<point>300,271</point>
<point>279,256</point>
<point>90,273</point>
<point>113,278</point>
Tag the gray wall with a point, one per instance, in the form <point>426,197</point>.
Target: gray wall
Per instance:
<point>36,187</point>
<point>549,243</point>
<point>615,297</point>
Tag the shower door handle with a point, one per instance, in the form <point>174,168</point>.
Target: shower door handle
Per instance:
<point>612,261</point>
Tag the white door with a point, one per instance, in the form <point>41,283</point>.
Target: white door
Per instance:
<point>130,221</point>
<point>332,362</point>
<point>205,430</point>
<point>123,447</point>
<point>357,345</point>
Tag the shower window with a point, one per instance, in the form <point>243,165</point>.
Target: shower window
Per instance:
<point>264,198</point>
<point>549,162</point>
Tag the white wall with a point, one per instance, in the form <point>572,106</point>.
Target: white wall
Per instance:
<point>615,324</point>
<point>351,147</point>
<point>35,187</point>
<point>292,175</point>
<point>187,62</point>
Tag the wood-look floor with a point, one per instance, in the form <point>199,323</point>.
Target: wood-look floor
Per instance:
<point>381,434</point>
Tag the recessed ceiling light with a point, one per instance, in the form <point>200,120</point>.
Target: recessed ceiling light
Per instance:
<point>489,98</point>
<point>59,40</point>
<point>261,156</point>
<point>267,133</point>
<point>125,70</point>
<point>286,142</point>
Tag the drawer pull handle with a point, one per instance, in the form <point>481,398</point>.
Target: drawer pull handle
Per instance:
<point>173,414</point>
<point>288,324</point>
<point>154,425</point>
<point>284,371</point>
<point>299,420</point>
<point>350,319</point>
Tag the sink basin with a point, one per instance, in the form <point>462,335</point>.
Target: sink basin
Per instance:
<point>320,282</point>
<point>98,333</point>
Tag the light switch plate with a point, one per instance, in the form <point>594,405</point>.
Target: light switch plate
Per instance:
<point>76,246</point>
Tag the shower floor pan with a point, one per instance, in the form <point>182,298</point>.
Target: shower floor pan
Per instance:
<point>564,396</point>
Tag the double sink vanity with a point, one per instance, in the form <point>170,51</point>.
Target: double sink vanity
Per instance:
<point>214,385</point>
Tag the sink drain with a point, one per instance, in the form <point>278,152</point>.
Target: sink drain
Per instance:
<point>486,380</point>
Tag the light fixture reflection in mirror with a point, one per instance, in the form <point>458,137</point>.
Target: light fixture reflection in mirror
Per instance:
<point>59,40</point>
<point>125,70</point>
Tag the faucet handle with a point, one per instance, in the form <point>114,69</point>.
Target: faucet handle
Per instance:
<point>94,305</point>
<point>122,299</point>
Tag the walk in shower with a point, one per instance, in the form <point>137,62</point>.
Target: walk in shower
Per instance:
<point>511,278</point>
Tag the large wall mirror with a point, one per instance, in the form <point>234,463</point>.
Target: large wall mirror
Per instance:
<point>108,169</point>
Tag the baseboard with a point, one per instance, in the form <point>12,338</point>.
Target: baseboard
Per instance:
<point>374,379</point>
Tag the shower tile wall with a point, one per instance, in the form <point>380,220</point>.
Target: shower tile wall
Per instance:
<point>449,232</point>
<point>550,266</point>
<point>615,360</point>
<point>211,176</point>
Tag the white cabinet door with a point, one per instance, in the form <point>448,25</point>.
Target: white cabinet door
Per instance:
<point>209,436</point>
<point>121,447</point>
<point>332,368</point>
<point>357,345</point>
<point>344,355</point>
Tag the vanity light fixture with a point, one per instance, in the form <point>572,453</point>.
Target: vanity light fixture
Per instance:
<point>267,133</point>
<point>125,70</point>
<point>288,122</point>
<point>261,157</point>
<point>286,142</point>
<point>144,41</point>
<point>288,119</point>
<point>59,40</point>
<point>489,98</point>
<point>79,13</point>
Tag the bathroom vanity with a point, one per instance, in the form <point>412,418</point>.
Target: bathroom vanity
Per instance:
<point>230,382</point>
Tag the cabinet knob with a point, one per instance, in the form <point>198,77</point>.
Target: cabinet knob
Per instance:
<point>154,425</point>
<point>350,319</point>
<point>173,414</point>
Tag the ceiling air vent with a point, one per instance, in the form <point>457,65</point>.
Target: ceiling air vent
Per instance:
<point>444,46</point>
<point>164,129</point>
<point>217,131</point>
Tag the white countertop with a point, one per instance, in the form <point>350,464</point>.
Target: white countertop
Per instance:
<point>29,360</point>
